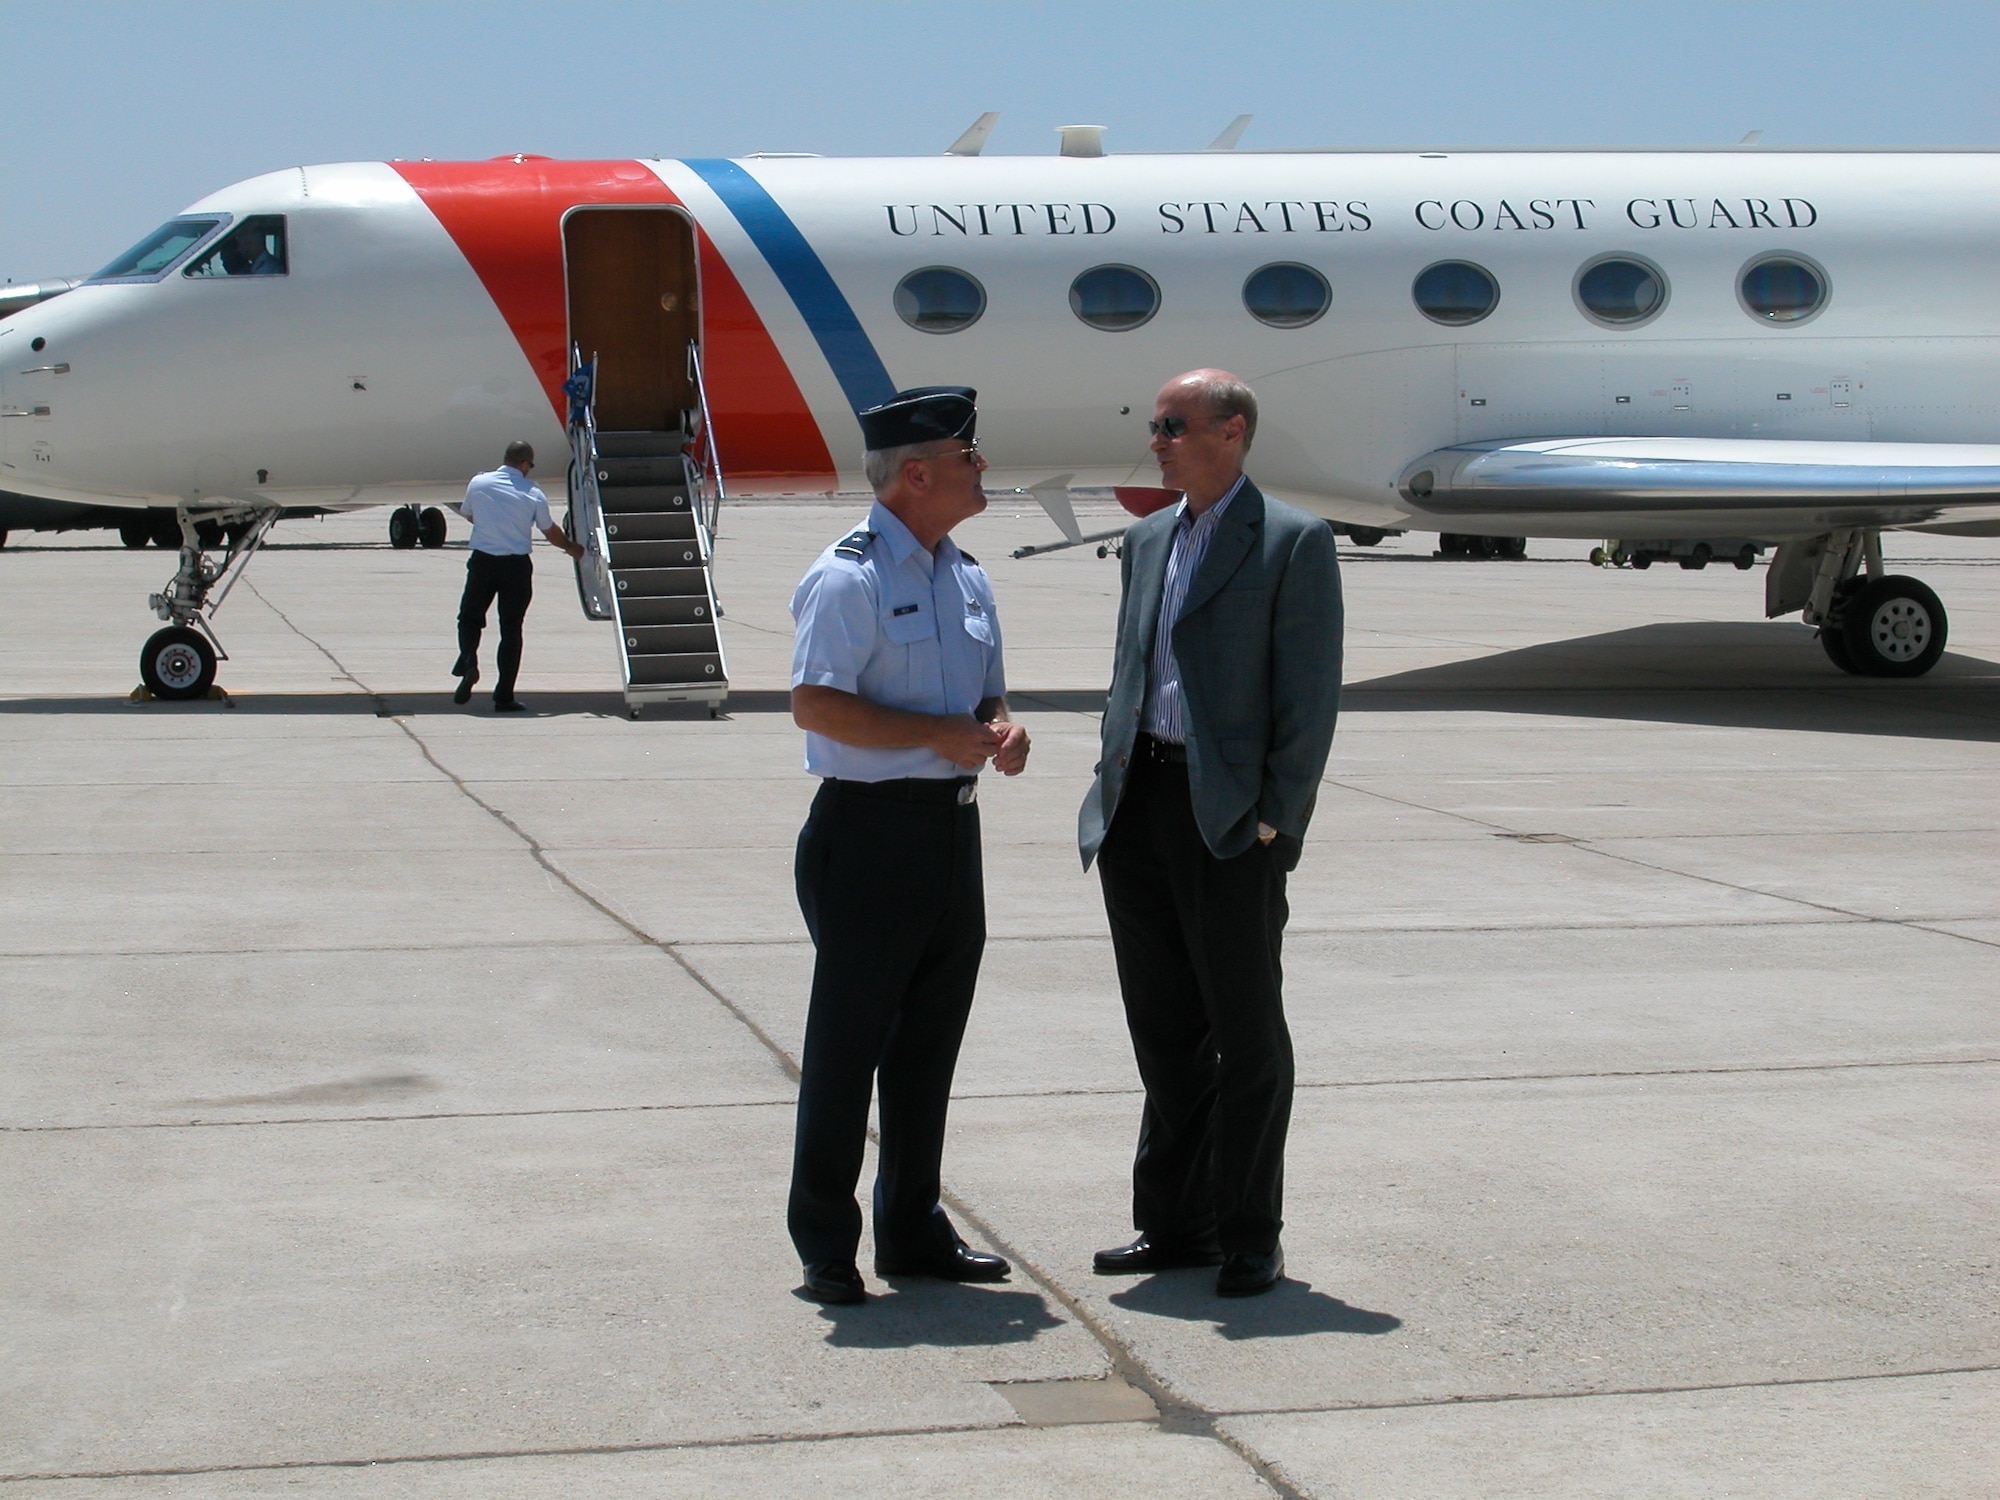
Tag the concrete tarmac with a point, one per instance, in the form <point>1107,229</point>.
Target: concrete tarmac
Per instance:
<point>396,1099</point>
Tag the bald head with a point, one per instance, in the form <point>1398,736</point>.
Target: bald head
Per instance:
<point>1224,394</point>
<point>1202,425</point>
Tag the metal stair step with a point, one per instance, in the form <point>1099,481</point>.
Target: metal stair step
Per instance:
<point>619,500</point>
<point>626,556</point>
<point>650,526</point>
<point>641,444</point>
<point>677,669</point>
<point>681,609</point>
<point>671,640</point>
<point>616,472</point>
<point>653,583</point>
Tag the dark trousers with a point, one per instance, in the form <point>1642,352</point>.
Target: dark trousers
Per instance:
<point>1197,940</point>
<point>511,580</point>
<point>889,882</point>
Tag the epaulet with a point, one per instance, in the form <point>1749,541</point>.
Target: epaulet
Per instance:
<point>855,544</point>
<point>968,557</point>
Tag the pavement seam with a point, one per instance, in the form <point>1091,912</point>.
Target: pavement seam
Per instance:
<point>1329,1086</point>
<point>1589,846</point>
<point>1505,1397</point>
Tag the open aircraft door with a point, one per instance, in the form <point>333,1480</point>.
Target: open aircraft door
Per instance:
<point>644,485</point>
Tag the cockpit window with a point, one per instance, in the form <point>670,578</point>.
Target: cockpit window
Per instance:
<point>255,247</point>
<point>156,254</point>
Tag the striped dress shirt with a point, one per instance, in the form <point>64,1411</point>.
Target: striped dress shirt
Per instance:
<point>1164,717</point>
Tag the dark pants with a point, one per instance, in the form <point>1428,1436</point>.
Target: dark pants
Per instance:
<point>889,882</point>
<point>512,580</point>
<point>1197,940</point>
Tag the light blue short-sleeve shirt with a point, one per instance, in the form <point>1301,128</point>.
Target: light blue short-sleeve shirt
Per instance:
<point>901,627</point>
<point>505,511</point>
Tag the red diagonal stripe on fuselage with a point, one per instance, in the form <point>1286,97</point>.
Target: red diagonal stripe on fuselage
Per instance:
<point>506,219</point>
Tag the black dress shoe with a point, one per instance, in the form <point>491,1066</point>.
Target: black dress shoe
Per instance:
<point>464,693</point>
<point>508,705</point>
<point>834,1281</point>
<point>1245,1273</point>
<point>957,1261</point>
<point>1144,1255</point>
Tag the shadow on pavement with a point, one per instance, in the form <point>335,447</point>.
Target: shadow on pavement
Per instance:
<point>922,1313</point>
<point>1289,1309</point>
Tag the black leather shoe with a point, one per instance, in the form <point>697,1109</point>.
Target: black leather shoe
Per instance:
<point>834,1281</point>
<point>1143,1255</point>
<point>957,1261</point>
<point>464,693</point>
<point>508,705</point>
<point>1245,1273</point>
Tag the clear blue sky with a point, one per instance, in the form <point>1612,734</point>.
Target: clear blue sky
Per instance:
<point>117,115</point>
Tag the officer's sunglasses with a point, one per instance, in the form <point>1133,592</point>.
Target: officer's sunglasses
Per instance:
<point>970,452</point>
<point>1175,427</point>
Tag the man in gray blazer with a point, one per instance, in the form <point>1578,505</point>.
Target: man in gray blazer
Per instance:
<point>1224,689</point>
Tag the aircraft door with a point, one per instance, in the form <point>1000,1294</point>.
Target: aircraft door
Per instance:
<point>635,305</point>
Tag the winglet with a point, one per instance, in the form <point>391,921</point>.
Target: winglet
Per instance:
<point>1231,134</point>
<point>1053,496</point>
<point>974,139</point>
<point>1752,138</point>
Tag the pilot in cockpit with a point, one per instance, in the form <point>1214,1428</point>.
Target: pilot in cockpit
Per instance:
<point>249,252</point>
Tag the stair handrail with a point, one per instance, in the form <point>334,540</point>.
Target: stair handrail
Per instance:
<point>708,462</point>
<point>593,572</point>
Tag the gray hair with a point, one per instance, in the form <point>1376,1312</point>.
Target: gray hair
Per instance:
<point>1230,397</point>
<point>884,465</point>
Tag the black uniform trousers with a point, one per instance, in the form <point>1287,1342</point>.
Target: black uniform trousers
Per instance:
<point>511,579</point>
<point>890,885</point>
<point>1197,941</point>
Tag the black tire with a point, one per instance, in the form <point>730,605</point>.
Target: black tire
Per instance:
<point>135,534</point>
<point>402,529</point>
<point>1642,560</point>
<point>1746,558</point>
<point>177,663</point>
<point>1365,536</point>
<point>430,527</point>
<point>1834,644</point>
<point>209,533</point>
<point>1894,627</point>
<point>3,538</point>
<point>166,531</point>
<point>1513,548</point>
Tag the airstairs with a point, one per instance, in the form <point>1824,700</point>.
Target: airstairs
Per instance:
<point>644,505</point>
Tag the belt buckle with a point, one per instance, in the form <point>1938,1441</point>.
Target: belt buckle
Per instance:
<point>968,794</point>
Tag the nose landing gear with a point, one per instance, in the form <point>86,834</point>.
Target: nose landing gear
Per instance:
<point>416,525</point>
<point>179,663</point>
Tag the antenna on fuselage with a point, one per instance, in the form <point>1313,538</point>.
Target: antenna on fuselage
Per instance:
<point>1081,140</point>
<point>974,139</point>
<point>1231,134</point>
<point>1752,138</point>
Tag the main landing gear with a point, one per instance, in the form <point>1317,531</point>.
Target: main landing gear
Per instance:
<point>179,662</point>
<point>1457,544</point>
<point>413,525</point>
<point>1872,623</point>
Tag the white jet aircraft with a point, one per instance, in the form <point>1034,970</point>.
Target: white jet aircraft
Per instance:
<point>1695,353</point>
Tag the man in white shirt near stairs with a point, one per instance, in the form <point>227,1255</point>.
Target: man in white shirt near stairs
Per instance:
<point>505,511</point>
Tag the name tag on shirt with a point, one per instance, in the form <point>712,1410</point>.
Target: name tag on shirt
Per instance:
<point>903,609</point>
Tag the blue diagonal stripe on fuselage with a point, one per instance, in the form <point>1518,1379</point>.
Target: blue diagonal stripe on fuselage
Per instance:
<point>863,378</point>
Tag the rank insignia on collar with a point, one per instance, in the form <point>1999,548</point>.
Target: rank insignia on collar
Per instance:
<point>855,544</point>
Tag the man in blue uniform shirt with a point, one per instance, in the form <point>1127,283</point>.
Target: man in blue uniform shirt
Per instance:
<point>897,681</point>
<point>505,511</point>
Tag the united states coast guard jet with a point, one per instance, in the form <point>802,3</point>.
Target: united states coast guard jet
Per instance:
<point>1696,353</point>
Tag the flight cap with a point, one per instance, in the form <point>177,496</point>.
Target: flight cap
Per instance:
<point>923,414</point>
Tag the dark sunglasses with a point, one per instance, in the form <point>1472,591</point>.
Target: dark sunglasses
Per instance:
<point>1174,427</point>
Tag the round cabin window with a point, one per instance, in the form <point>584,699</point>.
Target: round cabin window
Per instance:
<point>1782,289</point>
<point>1286,295</point>
<point>1621,290</point>
<point>1455,292</point>
<point>1114,298</point>
<point>938,299</point>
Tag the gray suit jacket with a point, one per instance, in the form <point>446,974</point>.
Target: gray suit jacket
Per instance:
<point>1258,643</point>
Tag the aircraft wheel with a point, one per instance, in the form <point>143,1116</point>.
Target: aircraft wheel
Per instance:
<point>1746,558</point>
<point>166,531</point>
<point>3,538</point>
<point>1642,560</point>
<point>208,533</point>
<point>1365,536</point>
<point>1834,644</point>
<point>177,663</point>
<point>402,529</point>
<point>430,527</point>
<point>135,534</point>
<point>1894,627</point>
<point>1513,548</point>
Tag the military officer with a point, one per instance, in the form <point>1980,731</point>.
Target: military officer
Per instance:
<point>897,682</point>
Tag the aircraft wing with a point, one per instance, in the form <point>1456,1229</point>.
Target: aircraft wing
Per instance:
<point>1754,486</point>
